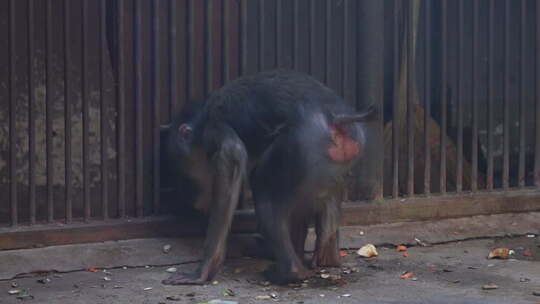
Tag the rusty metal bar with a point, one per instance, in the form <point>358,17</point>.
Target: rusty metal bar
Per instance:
<point>380,104</point>
<point>506,102</point>
<point>244,38</point>
<point>328,30</point>
<point>395,106</point>
<point>12,117</point>
<point>491,95</point>
<point>225,29</point>
<point>262,35</point>
<point>121,119</point>
<point>173,57</point>
<point>475,78</point>
<point>295,42</point>
<point>157,99</point>
<point>231,32</point>
<point>537,102</point>
<point>427,98</point>
<point>191,87</point>
<point>444,68</point>
<point>410,101</point>
<point>103,107</point>
<point>209,46</point>
<point>460,99</point>
<point>48,113</point>
<point>345,49</point>
<point>522,95</point>
<point>138,84</point>
<point>279,36</point>
<point>85,112</point>
<point>31,117</point>
<point>67,115</point>
<point>312,22</point>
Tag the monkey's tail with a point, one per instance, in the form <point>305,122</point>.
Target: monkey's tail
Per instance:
<point>344,119</point>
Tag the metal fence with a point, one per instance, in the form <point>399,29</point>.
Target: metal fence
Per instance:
<point>85,86</point>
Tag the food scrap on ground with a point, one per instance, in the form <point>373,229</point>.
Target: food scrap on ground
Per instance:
<point>407,275</point>
<point>401,248</point>
<point>499,253</point>
<point>489,286</point>
<point>368,251</point>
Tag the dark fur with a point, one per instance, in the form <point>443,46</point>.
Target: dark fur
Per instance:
<point>272,128</point>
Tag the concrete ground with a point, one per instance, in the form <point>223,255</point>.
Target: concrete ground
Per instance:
<point>452,269</point>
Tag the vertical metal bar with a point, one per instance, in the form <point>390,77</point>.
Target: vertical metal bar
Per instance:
<point>295,47</point>
<point>312,22</point>
<point>537,102</point>
<point>279,34</point>
<point>137,40</point>
<point>460,99</point>
<point>346,47</point>
<point>31,116</point>
<point>208,47</point>
<point>85,112</point>
<point>225,26</point>
<point>67,114</point>
<point>444,65</point>
<point>157,99</point>
<point>262,35</point>
<point>380,103</point>
<point>189,48</point>
<point>12,118</point>
<point>522,95</point>
<point>475,101</point>
<point>173,57</point>
<point>491,95</point>
<point>410,102</point>
<point>231,39</point>
<point>243,52</point>
<point>427,101</point>
<point>395,106</point>
<point>120,99</point>
<point>506,102</point>
<point>103,107</point>
<point>48,115</point>
<point>328,29</point>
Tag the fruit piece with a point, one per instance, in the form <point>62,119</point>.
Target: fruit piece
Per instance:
<point>407,275</point>
<point>401,248</point>
<point>367,251</point>
<point>499,253</point>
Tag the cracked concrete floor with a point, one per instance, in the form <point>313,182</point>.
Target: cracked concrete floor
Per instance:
<point>453,272</point>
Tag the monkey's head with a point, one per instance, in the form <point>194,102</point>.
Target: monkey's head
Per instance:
<point>187,162</point>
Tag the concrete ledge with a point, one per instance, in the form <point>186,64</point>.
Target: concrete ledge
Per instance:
<point>418,208</point>
<point>142,252</point>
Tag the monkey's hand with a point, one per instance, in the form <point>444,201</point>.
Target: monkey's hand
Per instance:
<point>180,278</point>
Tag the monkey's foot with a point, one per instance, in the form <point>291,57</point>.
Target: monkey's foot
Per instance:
<point>325,258</point>
<point>281,278</point>
<point>185,279</point>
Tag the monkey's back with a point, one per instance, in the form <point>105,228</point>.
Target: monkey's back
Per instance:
<point>261,106</point>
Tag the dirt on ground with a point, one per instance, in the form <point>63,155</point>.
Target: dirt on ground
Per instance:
<point>454,272</point>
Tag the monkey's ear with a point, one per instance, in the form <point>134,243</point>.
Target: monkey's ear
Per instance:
<point>185,131</point>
